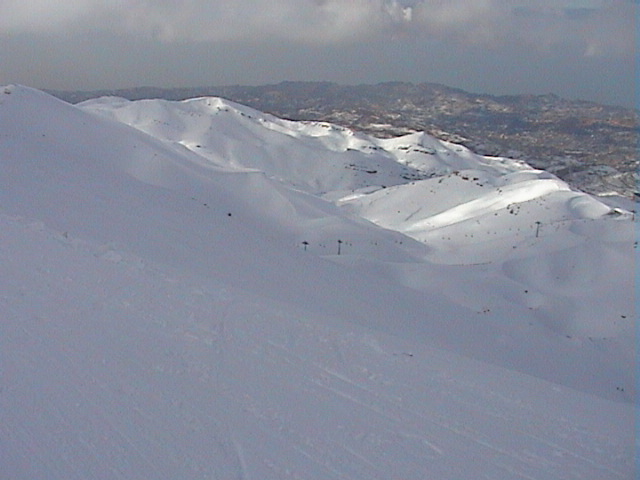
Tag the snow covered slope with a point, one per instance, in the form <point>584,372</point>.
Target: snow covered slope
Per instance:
<point>173,305</point>
<point>540,243</point>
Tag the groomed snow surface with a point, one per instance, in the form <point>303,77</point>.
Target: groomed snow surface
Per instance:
<point>197,290</point>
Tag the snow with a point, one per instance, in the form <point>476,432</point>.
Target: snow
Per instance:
<point>162,317</point>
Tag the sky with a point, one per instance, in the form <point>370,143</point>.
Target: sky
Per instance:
<point>574,48</point>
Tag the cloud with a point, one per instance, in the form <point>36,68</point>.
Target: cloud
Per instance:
<point>597,27</point>
<point>305,21</point>
<point>602,27</point>
<point>45,16</point>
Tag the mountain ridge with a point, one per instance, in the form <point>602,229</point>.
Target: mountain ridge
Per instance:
<point>591,146</point>
<point>176,306</point>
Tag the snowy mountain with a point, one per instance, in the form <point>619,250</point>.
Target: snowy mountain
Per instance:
<point>199,290</point>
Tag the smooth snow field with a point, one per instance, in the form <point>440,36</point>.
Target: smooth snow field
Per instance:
<point>198,290</point>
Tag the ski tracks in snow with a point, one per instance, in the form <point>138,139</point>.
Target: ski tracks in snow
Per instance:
<point>225,385</point>
<point>375,388</point>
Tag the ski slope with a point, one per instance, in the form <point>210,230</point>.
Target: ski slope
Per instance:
<point>174,305</point>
